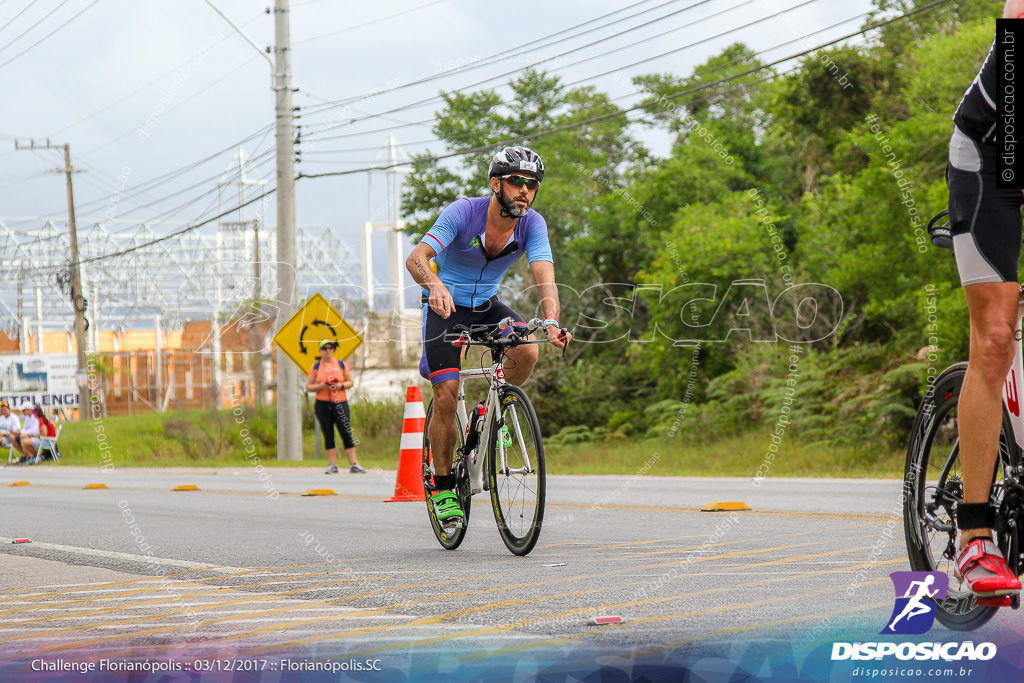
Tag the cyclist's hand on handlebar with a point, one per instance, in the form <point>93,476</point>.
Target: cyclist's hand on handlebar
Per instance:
<point>559,337</point>
<point>441,301</point>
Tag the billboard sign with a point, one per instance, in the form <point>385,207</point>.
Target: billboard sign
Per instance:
<point>46,379</point>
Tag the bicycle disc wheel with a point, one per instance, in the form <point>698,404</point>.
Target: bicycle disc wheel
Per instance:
<point>933,485</point>
<point>515,471</point>
<point>452,537</point>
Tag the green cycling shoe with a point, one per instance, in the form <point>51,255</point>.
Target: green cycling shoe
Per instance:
<point>446,506</point>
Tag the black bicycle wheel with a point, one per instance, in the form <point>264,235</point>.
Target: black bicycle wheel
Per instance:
<point>515,471</point>
<point>449,538</point>
<point>933,485</point>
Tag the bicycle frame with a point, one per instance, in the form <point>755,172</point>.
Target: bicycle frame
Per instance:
<point>495,376</point>
<point>1014,378</point>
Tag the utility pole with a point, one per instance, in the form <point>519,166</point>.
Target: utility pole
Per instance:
<point>77,300</point>
<point>289,435</point>
<point>255,336</point>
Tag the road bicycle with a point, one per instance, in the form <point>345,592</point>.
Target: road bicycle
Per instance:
<point>933,481</point>
<point>498,447</point>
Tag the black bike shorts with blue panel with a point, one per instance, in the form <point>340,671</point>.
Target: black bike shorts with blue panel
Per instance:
<point>441,360</point>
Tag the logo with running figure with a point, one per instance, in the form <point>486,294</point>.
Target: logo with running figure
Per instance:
<point>916,597</point>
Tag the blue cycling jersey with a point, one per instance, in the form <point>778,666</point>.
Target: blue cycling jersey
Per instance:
<point>462,264</point>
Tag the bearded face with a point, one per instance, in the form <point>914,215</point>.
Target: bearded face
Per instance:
<point>515,201</point>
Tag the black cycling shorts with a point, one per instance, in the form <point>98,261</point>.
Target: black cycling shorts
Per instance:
<point>441,361</point>
<point>985,220</point>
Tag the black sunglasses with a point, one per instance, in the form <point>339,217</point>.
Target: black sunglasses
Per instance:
<point>521,180</point>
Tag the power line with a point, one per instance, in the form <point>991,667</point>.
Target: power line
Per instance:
<point>151,184</point>
<point>724,33</point>
<point>75,16</point>
<point>537,134</point>
<point>435,98</point>
<point>623,112</point>
<point>490,59</point>
<point>139,89</point>
<point>715,69</point>
<point>196,226</point>
<point>617,69</point>
<point>718,68</point>
<point>170,175</point>
<point>699,42</point>
<point>23,10</point>
<point>178,233</point>
<point>263,159</point>
<point>368,23</point>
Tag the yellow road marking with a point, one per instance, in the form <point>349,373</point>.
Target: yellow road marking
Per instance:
<point>247,615</point>
<point>157,601</point>
<point>662,647</point>
<point>513,625</point>
<point>184,610</point>
<point>364,613</point>
<point>110,584</point>
<point>548,504</point>
<point>441,618</point>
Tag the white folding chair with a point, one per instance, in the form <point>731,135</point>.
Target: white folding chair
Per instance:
<point>48,444</point>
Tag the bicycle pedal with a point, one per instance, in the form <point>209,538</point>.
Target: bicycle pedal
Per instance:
<point>998,601</point>
<point>453,525</point>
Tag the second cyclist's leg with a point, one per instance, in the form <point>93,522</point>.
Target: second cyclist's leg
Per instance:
<point>993,310</point>
<point>986,225</point>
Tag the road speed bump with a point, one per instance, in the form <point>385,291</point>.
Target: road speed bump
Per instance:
<point>186,487</point>
<point>320,492</point>
<point>19,483</point>
<point>96,486</point>
<point>725,506</point>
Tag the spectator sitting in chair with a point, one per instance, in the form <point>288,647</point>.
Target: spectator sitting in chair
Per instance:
<point>29,434</point>
<point>10,428</point>
<point>47,432</point>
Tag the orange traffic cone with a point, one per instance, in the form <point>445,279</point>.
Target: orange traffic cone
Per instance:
<point>409,483</point>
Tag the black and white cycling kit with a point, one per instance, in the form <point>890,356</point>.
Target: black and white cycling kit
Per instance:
<point>985,220</point>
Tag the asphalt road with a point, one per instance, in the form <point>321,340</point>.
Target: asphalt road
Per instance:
<point>138,569</point>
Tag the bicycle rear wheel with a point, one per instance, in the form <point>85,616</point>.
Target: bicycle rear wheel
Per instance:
<point>449,538</point>
<point>515,470</point>
<point>933,486</point>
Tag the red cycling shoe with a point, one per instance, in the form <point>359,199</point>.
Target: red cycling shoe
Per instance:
<point>982,566</point>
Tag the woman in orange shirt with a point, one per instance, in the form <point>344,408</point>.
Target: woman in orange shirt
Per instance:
<point>329,378</point>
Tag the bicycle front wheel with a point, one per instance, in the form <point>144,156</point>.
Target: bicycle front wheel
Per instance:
<point>449,537</point>
<point>515,470</point>
<point>933,486</point>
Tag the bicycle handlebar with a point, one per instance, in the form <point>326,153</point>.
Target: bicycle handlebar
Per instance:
<point>490,336</point>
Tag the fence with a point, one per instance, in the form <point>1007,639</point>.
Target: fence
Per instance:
<point>132,382</point>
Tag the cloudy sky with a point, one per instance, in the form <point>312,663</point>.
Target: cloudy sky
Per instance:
<point>143,90</point>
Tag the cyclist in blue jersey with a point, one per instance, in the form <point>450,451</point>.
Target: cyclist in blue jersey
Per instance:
<point>473,243</point>
<point>986,225</point>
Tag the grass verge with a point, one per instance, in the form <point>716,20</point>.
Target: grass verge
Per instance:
<point>228,439</point>
<point>738,456</point>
